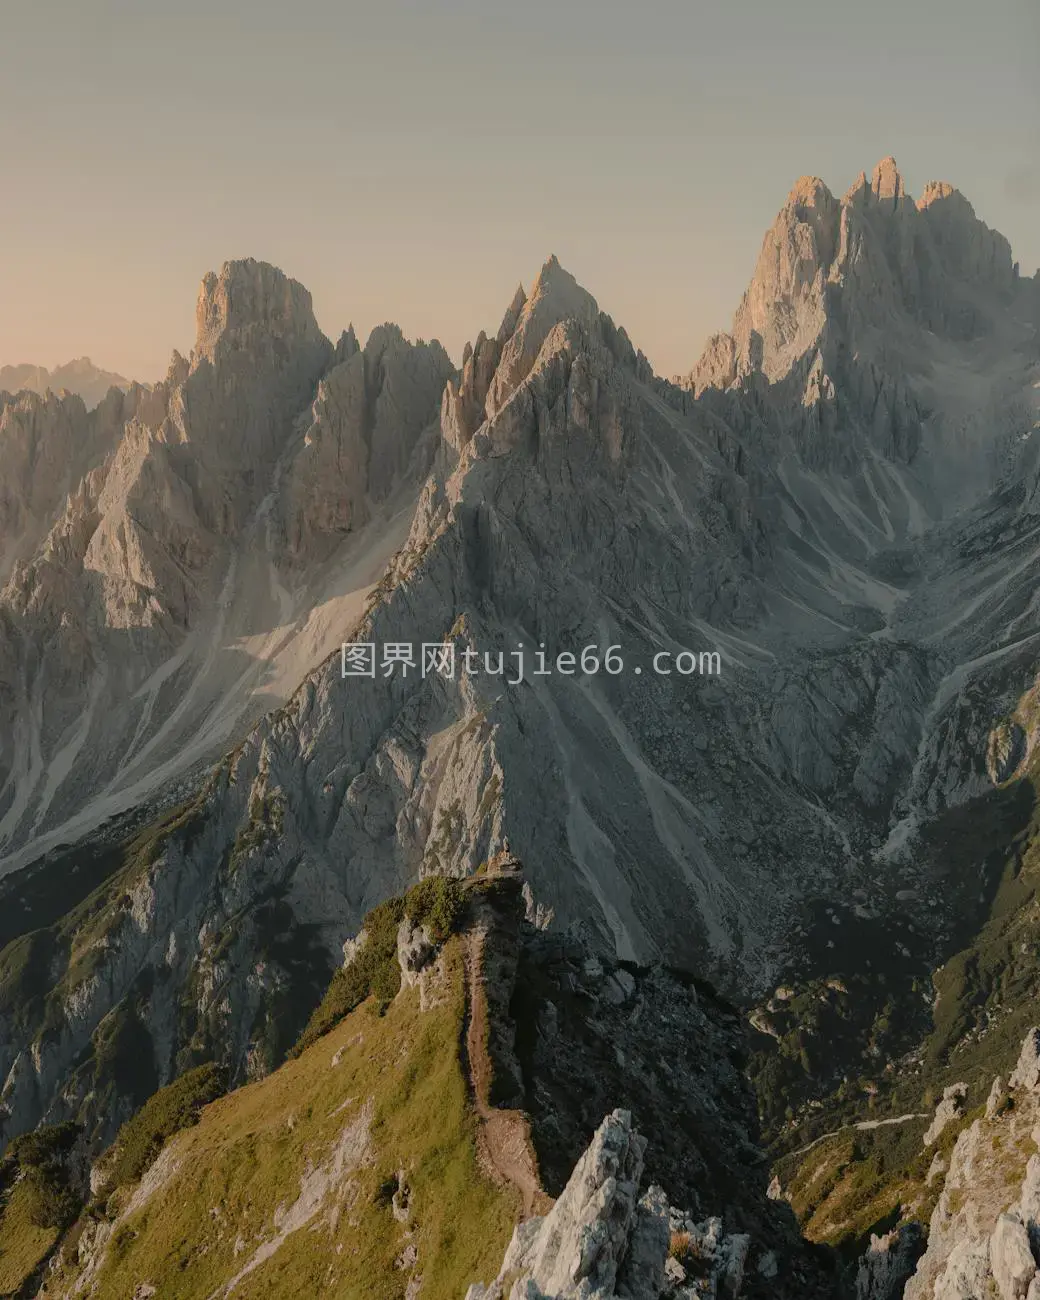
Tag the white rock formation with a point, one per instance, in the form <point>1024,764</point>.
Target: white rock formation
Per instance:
<point>415,950</point>
<point>1026,1074</point>
<point>602,1239</point>
<point>951,1105</point>
<point>985,1230</point>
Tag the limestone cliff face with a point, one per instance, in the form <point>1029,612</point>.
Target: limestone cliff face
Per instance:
<point>257,358</point>
<point>854,302</point>
<point>610,1237</point>
<point>372,415</point>
<point>49,444</point>
<point>143,543</point>
<point>355,785</point>
<point>184,463</point>
<point>864,262</point>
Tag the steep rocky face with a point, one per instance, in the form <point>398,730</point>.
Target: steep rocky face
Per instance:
<point>572,1033</point>
<point>368,421</point>
<point>50,444</point>
<point>145,544</point>
<point>863,309</point>
<point>875,259</point>
<point>606,1237</point>
<point>577,501</point>
<point>985,1230</point>
<point>257,357</point>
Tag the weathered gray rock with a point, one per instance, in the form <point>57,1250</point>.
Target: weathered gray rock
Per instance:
<point>583,1239</point>
<point>148,541</point>
<point>642,1269</point>
<point>366,423</point>
<point>852,563</point>
<point>415,950</point>
<point>1005,751</point>
<point>995,1099</point>
<point>1026,1074</point>
<point>1010,1258</point>
<point>888,1262</point>
<point>951,1105</point>
<point>985,1227</point>
<point>602,1240</point>
<point>353,947</point>
<point>80,377</point>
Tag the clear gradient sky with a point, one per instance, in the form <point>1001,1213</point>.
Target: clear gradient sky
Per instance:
<point>412,160</point>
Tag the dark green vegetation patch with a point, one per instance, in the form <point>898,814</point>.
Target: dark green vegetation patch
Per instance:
<point>436,902</point>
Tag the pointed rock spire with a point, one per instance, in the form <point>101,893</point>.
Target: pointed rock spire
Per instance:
<point>347,346</point>
<point>858,190</point>
<point>886,181</point>
<point>935,192</point>
<point>509,320</point>
<point>555,296</point>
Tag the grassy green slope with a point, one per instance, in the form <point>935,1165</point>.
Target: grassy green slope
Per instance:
<point>293,1175</point>
<point>24,1245</point>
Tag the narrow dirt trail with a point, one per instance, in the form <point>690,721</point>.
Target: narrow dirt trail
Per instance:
<point>504,1136</point>
<point>863,1126</point>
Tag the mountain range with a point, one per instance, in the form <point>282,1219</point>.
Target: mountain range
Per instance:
<point>837,504</point>
<point>80,377</point>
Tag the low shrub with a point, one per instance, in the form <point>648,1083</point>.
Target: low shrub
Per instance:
<point>40,1160</point>
<point>170,1110</point>
<point>437,902</point>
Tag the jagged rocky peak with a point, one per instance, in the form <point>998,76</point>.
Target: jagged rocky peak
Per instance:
<point>49,443</point>
<point>493,368</point>
<point>178,370</point>
<point>347,346</point>
<point>885,185</point>
<point>972,249</point>
<point>363,438</point>
<point>836,271</point>
<point>257,359</point>
<point>512,316</point>
<point>886,182</point>
<point>248,297</point>
<point>796,252</point>
<point>604,1238</point>
<point>556,296</point>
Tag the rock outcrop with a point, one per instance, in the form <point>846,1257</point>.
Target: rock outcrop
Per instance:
<point>873,259</point>
<point>889,1262</point>
<point>605,1237</point>
<point>374,412</point>
<point>948,1109</point>
<point>985,1230</point>
<point>851,304</point>
<point>579,1248</point>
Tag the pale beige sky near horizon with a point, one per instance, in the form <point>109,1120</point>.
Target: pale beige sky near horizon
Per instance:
<point>413,161</point>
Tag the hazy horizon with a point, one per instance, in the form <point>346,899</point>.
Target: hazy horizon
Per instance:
<point>413,165</point>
